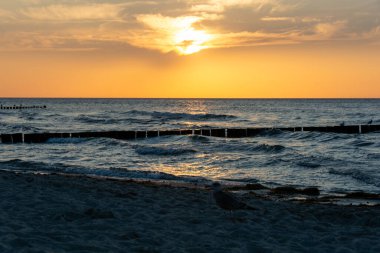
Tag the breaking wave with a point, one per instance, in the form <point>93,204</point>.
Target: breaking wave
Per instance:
<point>21,166</point>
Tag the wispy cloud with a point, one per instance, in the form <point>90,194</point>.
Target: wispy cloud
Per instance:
<point>74,12</point>
<point>329,30</point>
<point>278,19</point>
<point>6,15</point>
<point>255,5</point>
<point>183,26</point>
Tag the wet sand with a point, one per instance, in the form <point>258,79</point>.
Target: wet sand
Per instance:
<point>55,213</point>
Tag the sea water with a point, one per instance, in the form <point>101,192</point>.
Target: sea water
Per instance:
<point>333,162</point>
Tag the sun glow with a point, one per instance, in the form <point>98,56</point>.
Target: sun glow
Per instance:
<point>189,41</point>
<point>179,34</point>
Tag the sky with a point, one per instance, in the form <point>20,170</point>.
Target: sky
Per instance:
<point>193,48</point>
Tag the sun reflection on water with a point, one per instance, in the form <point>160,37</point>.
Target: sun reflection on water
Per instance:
<point>196,107</point>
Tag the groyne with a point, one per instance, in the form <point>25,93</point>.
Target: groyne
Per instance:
<point>21,107</point>
<point>214,132</point>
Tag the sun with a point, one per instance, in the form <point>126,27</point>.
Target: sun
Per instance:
<point>184,34</point>
<point>189,41</point>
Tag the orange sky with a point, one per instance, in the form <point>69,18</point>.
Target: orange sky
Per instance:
<point>210,48</point>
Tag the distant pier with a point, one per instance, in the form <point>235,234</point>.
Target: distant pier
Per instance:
<point>214,132</point>
<point>21,107</point>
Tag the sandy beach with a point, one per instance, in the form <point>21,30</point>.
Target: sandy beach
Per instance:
<point>55,213</point>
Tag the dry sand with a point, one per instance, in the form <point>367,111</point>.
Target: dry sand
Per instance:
<point>54,213</point>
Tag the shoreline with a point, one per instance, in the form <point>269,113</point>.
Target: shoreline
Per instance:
<point>285,193</point>
<point>55,213</point>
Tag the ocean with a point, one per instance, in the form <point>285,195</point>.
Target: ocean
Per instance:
<point>335,163</point>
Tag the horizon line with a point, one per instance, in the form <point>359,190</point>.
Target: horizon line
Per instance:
<point>206,98</point>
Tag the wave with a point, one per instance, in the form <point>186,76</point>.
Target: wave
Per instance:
<point>96,119</point>
<point>313,161</point>
<point>272,133</point>
<point>250,147</point>
<point>361,143</point>
<point>18,128</point>
<point>153,117</point>
<point>311,165</point>
<point>38,167</point>
<point>163,151</point>
<point>266,148</point>
<point>156,175</point>
<point>357,175</point>
<point>111,121</point>
<point>21,166</point>
<point>199,138</point>
<point>100,142</point>
<point>43,167</point>
<point>332,137</point>
<point>373,156</point>
<point>144,174</point>
<point>182,116</point>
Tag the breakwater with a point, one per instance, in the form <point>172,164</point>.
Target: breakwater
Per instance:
<point>214,132</point>
<point>21,107</point>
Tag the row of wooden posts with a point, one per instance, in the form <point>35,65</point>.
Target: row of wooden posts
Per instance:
<point>21,107</point>
<point>215,132</point>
